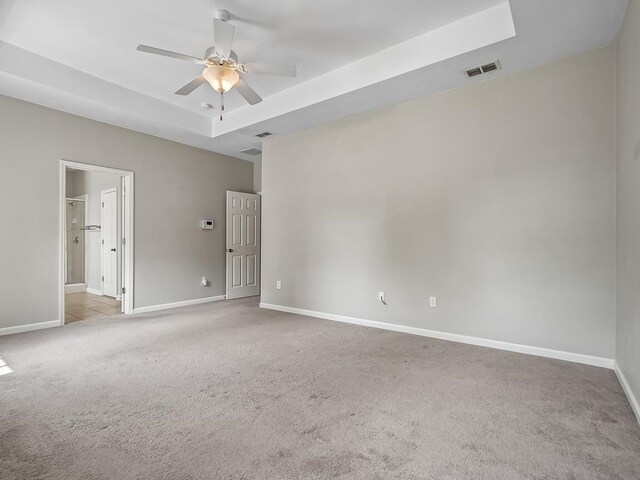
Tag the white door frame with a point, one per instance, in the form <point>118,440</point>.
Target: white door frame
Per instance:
<point>127,233</point>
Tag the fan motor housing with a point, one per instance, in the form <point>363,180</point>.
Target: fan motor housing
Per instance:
<point>210,56</point>
<point>223,15</point>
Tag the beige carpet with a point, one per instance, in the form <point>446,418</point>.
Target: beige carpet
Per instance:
<point>228,391</point>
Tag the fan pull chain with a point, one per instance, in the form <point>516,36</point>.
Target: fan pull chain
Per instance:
<point>221,105</point>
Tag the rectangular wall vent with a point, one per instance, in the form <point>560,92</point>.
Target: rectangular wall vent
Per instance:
<point>251,151</point>
<point>264,134</point>
<point>486,68</point>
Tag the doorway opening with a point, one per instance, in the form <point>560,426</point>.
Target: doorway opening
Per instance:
<point>96,247</point>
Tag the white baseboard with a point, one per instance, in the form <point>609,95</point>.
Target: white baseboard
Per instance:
<point>185,303</point>
<point>633,401</point>
<point>75,288</point>
<point>29,327</point>
<point>452,337</point>
<point>94,291</point>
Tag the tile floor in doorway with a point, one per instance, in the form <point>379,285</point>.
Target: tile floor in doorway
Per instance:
<point>86,306</point>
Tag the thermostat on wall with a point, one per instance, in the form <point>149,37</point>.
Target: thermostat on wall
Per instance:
<point>206,224</point>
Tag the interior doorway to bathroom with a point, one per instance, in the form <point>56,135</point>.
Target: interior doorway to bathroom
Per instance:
<point>97,242</point>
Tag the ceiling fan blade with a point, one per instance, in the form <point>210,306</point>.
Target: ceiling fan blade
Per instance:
<point>191,86</point>
<point>247,92</point>
<point>223,37</point>
<point>168,53</point>
<point>269,69</point>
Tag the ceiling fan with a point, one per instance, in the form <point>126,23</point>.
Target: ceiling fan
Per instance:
<point>222,69</point>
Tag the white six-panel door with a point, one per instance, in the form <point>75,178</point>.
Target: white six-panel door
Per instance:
<point>243,245</point>
<point>110,242</point>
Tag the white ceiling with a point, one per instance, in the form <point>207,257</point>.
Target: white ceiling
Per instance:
<point>100,38</point>
<point>79,56</point>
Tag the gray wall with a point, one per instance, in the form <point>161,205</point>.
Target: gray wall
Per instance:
<point>70,181</point>
<point>498,198</point>
<point>175,187</point>
<point>257,176</point>
<point>628,311</point>
<point>92,184</point>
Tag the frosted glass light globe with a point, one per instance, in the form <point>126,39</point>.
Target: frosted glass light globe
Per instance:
<point>222,79</point>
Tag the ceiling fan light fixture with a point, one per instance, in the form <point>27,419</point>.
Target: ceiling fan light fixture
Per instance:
<point>222,69</point>
<point>221,78</point>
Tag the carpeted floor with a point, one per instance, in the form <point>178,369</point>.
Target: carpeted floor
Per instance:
<point>229,391</point>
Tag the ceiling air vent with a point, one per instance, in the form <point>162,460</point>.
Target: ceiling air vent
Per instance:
<point>486,68</point>
<point>490,67</point>
<point>251,151</point>
<point>474,72</point>
<point>264,134</point>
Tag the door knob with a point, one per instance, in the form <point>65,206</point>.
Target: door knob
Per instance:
<point>113,249</point>
<point>230,250</point>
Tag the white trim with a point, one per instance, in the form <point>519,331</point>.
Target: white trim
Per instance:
<point>29,327</point>
<point>75,288</point>
<point>128,233</point>
<point>62,265</point>
<point>95,168</point>
<point>127,250</point>
<point>184,303</point>
<point>94,291</point>
<point>633,401</point>
<point>452,337</point>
